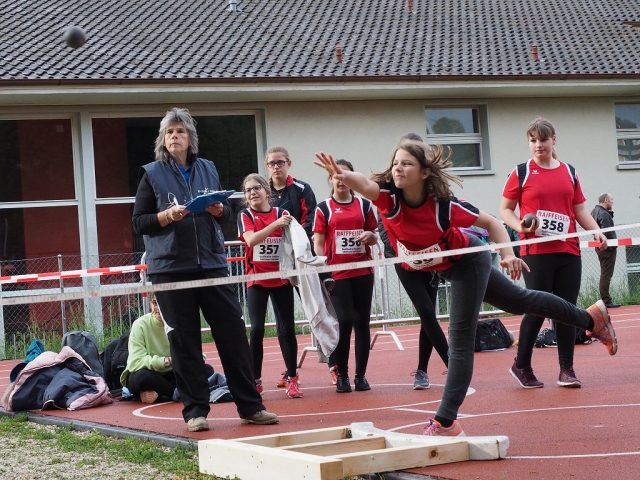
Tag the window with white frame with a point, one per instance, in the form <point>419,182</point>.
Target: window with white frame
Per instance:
<point>628,134</point>
<point>461,129</point>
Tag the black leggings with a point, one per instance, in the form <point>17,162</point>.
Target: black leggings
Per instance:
<point>282,299</point>
<point>560,274</point>
<point>351,299</point>
<point>163,383</point>
<point>422,288</point>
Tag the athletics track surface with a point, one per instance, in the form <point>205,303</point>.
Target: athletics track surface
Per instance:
<point>554,432</point>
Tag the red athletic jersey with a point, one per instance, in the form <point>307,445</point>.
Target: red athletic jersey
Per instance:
<point>432,227</point>
<point>551,194</point>
<point>264,257</point>
<point>342,224</point>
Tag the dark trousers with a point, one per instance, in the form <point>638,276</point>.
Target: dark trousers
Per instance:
<point>221,310</point>
<point>607,264</point>
<point>422,288</point>
<point>163,383</point>
<point>470,276</point>
<point>560,274</point>
<point>282,299</point>
<point>351,299</point>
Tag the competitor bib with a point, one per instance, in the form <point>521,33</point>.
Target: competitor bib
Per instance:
<point>268,250</point>
<point>347,242</point>
<point>552,223</point>
<point>406,254</point>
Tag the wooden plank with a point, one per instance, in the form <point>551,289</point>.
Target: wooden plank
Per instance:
<point>399,458</point>
<point>254,462</point>
<point>337,447</point>
<point>297,438</point>
<point>480,448</point>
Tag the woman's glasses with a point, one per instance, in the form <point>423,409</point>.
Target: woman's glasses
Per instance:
<point>279,163</point>
<point>255,188</point>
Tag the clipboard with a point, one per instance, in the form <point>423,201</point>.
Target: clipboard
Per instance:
<point>201,202</point>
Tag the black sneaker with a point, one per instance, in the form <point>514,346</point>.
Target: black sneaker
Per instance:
<point>525,377</point>
<point>343,385</point>
<point>568,378</point>
<point>361,383</point>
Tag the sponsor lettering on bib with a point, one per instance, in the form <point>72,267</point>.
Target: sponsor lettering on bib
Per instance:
<point>347,241</point>
<point>551,223</point>
<point>405,253</point>
<point>268,250</point>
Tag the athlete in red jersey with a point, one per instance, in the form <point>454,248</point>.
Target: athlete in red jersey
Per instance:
<point>343,231</point>
<point>549,189</point>
<point>260,228</point>
<point>422,182</point>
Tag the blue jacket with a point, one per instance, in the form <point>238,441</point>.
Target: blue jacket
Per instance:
<point>196,242</point>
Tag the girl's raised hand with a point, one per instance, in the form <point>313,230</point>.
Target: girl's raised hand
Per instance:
<point>329,164</point>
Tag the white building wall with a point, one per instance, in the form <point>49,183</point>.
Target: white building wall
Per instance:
<point>366,132</point>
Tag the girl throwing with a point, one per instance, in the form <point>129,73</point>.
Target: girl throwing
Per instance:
<point>343,231</point>
<point>260,228</point>
<point>421,216</point>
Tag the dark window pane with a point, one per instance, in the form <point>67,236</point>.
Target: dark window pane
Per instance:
<point>627,116</point>
<point>36,161</point>
<point>123,145</point>
<point>628,150</point>
<point>453,121</point>
<point>465,155</point>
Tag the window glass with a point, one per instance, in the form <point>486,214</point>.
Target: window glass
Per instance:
<point>627,117</point>
<point>123,145</point>
<point>454,121</point>
<point>465,155</point>
<point>36,161</point>
<point>628,133</point>
<point>458,129</point>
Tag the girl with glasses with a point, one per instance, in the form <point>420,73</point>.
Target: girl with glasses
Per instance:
<point>292,194</point>
<point>260,228</point>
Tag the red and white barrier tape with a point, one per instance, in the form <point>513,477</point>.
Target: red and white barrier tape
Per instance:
<point>35,277</point>
<point>212,282</point>
<point>615,242</point>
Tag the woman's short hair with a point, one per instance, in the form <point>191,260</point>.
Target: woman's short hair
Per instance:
<point>176,115</point>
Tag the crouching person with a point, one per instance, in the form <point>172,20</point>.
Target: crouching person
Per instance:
<point>149,373</point>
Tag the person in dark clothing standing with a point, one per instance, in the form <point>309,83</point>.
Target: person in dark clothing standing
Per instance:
<point>298,199</point>
<point>189,246</point>
<point>603,215</point>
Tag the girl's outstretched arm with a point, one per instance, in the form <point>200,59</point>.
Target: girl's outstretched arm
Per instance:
<point>499,234</point>
<point>354,180</point>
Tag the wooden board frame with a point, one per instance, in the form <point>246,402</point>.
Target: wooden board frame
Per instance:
<point>334,453</point>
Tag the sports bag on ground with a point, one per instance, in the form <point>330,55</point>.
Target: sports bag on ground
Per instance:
<point>491,334</point>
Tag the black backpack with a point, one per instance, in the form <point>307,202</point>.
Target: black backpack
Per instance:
<point>546,338</point>
<point>491,334</point>
<point>85,344</point>
<point>114,359</point>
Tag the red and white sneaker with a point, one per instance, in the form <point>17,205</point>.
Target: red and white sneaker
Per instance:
<point>293,389</point>
<point>259,386</point>
<point>602,328</point>
<point>333,371</point>
<point>434,429</point>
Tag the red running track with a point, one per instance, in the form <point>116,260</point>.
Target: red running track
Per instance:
<point>555,433</point>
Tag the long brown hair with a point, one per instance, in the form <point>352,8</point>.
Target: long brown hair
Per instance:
<point>542,128</point>
<point>432,158</point>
